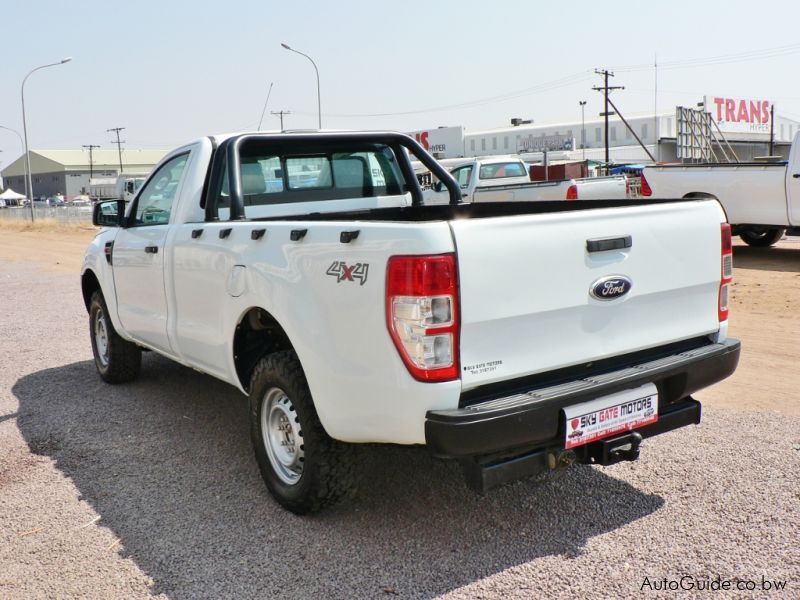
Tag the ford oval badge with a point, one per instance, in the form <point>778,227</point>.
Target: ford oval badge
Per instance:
<point>611,287</point>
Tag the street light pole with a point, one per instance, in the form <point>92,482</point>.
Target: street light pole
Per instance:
<point>319,102</point>
<point>25,127</point>
<point>22,147</point>
<point>583,127</point>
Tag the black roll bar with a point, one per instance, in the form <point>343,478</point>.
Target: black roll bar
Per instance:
<point>229,151</point>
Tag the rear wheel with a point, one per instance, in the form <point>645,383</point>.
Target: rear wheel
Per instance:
<point>116,359</point>
<point>305,470</point>
<point>762,237</point>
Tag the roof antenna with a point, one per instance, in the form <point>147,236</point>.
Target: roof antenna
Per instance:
<point>265,105</point>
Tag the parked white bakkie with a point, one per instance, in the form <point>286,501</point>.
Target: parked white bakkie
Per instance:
<point>507,179</point>
<point>761,199</point>
<point>305,270</point>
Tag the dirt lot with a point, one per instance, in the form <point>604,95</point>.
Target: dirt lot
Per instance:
<point>151,489</point>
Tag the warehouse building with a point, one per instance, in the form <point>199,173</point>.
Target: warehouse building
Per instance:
<point>743,123</point>
<point>67,172</point>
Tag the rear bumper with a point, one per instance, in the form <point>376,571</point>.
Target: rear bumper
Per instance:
<point>534,419</point>
<point>485,473</point>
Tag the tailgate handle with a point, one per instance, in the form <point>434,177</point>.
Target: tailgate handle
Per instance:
<point>611,243</point>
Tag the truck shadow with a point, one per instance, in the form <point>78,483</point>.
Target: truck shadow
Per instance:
<point>167,464</point>
<point>766,259</point>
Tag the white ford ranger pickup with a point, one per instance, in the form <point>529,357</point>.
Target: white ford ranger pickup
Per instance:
<point>515,337</point>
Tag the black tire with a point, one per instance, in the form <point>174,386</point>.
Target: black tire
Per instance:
<point>323,468</point>
<point>121,360</point>
<point>762,237</point>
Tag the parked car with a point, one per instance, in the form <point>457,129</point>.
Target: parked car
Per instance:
<point>506,179</point>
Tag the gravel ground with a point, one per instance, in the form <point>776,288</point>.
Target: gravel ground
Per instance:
<point>151,489</point>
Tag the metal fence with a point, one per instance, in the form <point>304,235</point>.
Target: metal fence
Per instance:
<point>62,215</point>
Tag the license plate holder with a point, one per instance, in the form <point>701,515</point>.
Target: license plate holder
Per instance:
<point>610,415</point>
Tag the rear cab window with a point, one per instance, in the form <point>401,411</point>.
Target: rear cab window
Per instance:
<point>274,180</point>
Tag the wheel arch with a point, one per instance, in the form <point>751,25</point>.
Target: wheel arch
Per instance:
<point>257,334</point>
<point>89,285</point>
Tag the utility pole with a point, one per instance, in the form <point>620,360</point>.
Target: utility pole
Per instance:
<point>606,89</point>
<point>771,127</point>
<point>280,113</point>
<point>90,148</point>
<point>119,144</point>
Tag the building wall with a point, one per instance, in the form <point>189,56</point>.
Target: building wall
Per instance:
<point>506,140</point>
<point>48,184</point>
<point>69,184</point>
<point>648,128</point>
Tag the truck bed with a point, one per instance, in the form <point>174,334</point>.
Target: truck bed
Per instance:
<point>445,212</point>
<point>750,193</point>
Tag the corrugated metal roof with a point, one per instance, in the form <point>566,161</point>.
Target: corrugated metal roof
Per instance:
<point>47,161</point>
<point>102,158</point>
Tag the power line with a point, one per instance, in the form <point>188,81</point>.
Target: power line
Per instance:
<point>543,87</point>
<point>91,148</point>
<point>745,56</point>
<point>119,144</point>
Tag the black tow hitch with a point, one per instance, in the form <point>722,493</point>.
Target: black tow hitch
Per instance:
<point>613,450</point>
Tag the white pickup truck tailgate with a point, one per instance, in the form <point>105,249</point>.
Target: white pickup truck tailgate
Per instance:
<point>525,286</point>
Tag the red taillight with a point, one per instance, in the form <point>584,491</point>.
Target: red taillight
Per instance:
<point>422,314</point>
<point>726,270</point>
<point>646,189</point>
<point>572,192</point>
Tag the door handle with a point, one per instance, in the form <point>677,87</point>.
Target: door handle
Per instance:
<point>612,243</point>
<point>151,249</point>
<point>796,175</point>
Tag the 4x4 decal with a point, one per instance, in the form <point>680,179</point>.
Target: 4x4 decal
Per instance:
<point>344,272</point>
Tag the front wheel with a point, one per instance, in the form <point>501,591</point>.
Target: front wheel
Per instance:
<point>305,470</point>
<point>762,237</point>
<point>116,359</point>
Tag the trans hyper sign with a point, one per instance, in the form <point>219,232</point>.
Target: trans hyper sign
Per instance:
<point>442,142</point>
<point>741,115</point>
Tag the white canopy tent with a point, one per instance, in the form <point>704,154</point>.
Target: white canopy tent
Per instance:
<point>10,198</point>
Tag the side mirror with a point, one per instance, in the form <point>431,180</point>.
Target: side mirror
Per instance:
<point>109,213</point>
<point>437,186</point>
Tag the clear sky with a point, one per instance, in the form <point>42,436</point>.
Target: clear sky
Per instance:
<point>171,71</point>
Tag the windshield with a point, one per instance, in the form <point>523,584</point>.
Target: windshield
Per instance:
<point>501,170</point>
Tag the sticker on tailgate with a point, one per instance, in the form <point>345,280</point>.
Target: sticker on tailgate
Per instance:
<point>609,415</point>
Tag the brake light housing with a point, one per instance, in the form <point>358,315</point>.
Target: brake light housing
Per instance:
<point>422,314</point>
<point>726,270</point>
<point>646,189</point>
<point>572,192</point>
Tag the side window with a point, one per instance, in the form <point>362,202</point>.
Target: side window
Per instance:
<point>461,175</point>
<point>154,204</point>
